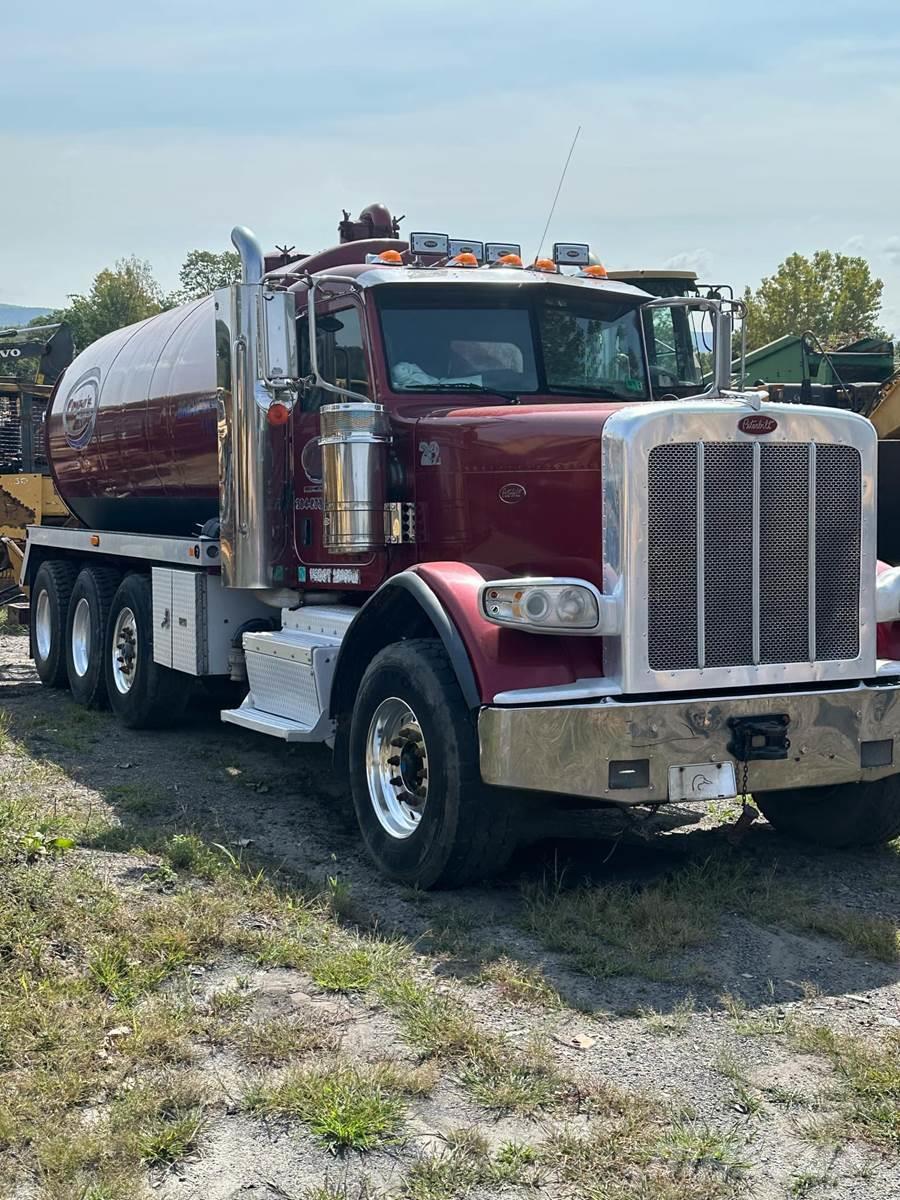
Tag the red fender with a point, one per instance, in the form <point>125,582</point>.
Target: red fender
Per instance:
<point>505,659</point>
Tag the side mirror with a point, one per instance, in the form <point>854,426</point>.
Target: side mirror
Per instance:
<point>278,360</point>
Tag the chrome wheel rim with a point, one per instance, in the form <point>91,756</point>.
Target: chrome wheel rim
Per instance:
<point>81,637</point>
<point>397,768</point>
<point>42,625</point>
<point>124,650</point>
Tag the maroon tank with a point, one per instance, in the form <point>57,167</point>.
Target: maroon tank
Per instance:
<point>132,430</point>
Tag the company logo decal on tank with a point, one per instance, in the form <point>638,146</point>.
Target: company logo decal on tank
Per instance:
<point>80,409</point>
<point>512,493</point>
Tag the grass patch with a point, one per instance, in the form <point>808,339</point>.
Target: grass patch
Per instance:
<point>746,1099</point>
<point>279,1039</point>
<point>620,929</point>
<point>868,1072</point>
<point>749,1022</point>
<point>671,1024</point>
<point>467,1163</point>
<point>521,984</point>
<point>503,1077</point>
<point>698,1146</point>
<point>346,1107</point>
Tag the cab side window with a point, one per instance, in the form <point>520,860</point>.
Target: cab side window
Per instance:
<point>340,349</point>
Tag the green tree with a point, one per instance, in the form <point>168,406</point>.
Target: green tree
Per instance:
<point>119,296</point>
<point>203,271</point>
<point>834,295</point>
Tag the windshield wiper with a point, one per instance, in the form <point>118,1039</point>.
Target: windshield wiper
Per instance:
<point>509,397</point>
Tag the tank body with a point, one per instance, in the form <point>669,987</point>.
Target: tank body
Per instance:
<point>132,430</point>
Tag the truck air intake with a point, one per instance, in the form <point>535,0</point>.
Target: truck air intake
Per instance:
<point>354,439</point>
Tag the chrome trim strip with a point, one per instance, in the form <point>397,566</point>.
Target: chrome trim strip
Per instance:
<point>811,553</point>
<point>756,518</point>
<point>148,546</point>
<point>701,555</point>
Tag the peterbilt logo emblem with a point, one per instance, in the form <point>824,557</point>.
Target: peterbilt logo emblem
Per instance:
<point>757,424</point>
<point>512,493</point>
<point>80,409</point>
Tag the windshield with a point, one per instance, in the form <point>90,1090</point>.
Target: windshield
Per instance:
<point>677,338</point>
<point>514,344</point>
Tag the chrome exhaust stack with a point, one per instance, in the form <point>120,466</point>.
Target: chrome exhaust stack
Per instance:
<point>256,362</point>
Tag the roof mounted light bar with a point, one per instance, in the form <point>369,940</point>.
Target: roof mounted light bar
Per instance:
<point>571,254</point>
<point>430,243</point>
<point>494,251</point>
<point>461,246</point>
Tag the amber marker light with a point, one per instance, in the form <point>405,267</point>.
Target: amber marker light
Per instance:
<point>544,264</point>
<point>464,260</point>
<point>278,413</point>
<point>510,260</point>
<point>391,256</point>
<point>595,271</point>
<point>95,539</point>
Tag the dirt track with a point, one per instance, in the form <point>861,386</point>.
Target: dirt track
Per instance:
<point>635,1030</point>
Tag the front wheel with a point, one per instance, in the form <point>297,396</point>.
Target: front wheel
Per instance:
<point>142,694</point>
<point>425,816</point>
<point>845,815</point>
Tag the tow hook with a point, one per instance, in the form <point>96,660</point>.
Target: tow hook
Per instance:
<point>754,739</point>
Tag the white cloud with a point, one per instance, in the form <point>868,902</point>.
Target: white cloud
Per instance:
<point>854,245</point>
<point>699,260</point>
<point>891,250</point>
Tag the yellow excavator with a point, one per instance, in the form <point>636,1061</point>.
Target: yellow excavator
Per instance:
<point>27,495</point>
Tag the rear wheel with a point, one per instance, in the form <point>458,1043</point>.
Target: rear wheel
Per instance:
<point>425,815</point>
<point>89,608</point>
<point>142,694</point>
<point>50,596</point>
<point>847,814</point>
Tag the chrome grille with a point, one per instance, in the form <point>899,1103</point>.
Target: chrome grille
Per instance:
<point>753,554</point>
<point>672,560</point>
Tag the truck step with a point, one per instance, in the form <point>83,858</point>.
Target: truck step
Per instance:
<point>280,727</point>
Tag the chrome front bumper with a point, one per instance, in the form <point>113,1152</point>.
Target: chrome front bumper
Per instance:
<point>568,748</point>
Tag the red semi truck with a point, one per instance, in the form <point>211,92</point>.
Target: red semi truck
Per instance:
<point>424,504</point>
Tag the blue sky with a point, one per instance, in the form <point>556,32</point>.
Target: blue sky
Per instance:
<point>713,136</point>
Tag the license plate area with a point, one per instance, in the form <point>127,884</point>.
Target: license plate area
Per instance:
<point>703,781</point>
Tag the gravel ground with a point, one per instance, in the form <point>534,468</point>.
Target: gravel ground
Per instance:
<point>235,788</point>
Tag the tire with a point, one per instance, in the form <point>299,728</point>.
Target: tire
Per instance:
<point>89,607</point>
<point>142,694</point>
<point>842,816</point>
<point>409,717</point>
<point>50,596</point>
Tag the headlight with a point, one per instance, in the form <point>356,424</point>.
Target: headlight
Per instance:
<point>543,605</point>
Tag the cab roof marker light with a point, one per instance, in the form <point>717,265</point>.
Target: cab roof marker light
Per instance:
<point>465,259</point>
<point>460,246</point>
<point>593,271</point>
<point>571,254</point>
<point>387,258</point>
<point>494,251</point>
<point>430,243</point>
<point>545,264</point>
